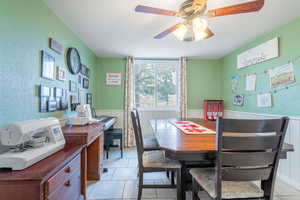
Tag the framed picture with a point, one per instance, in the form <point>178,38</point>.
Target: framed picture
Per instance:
<point>89,98</point>
<point>48,66</point>
<point>45,91</point>
<point>60,74</point>
<point>84,70</point>
<point>55,46</point>
<point>238,100</point>
<point>113,78</point>
<point>73,86</point>
<point>43,104</point>
<point>79,79</point>
<point>85,83</point>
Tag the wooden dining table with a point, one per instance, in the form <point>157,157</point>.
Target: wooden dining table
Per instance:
<point>199,149</point>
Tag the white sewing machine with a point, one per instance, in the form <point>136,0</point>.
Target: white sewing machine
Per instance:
<point>84,115</point>
<point>24,143</point>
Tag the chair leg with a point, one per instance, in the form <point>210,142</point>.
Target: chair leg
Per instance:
<point>195,190</point>
<point>179,188</point>
<point>121,147</point>
<point>168,174</point>
<point>141,182</point>
<point>172,178</point>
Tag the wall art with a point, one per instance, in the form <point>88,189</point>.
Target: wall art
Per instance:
<point>60,74</point>
<point>48,66</point>
<point>55,46</point>
<point>282,75</point>
<point>238,100</point>
<point>113,78</point>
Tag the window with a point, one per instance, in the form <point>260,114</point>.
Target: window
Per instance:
<point>156,84</point>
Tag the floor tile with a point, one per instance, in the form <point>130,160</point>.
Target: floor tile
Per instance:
<point>125,174</point>
<point>107,190</point>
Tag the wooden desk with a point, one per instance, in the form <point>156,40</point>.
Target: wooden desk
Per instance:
<point>92,156</point>
<point>187,148</point>
<point>56,177</point>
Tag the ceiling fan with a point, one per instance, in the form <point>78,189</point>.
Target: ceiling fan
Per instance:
<point>195,12</point>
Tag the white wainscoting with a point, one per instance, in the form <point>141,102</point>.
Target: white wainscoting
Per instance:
<point>288,169</point>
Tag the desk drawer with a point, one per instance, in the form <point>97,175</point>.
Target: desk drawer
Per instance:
<point>70,189</point>
<point>63,176</point>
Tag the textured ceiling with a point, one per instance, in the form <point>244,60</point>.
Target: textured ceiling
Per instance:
<point>111,28</point>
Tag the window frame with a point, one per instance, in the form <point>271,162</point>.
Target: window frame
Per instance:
<point>178,89</point>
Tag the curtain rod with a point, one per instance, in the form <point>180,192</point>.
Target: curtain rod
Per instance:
<point>158,59</point>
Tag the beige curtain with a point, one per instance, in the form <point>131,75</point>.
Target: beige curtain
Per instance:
<point>129,134</point>
<point>183,88</point>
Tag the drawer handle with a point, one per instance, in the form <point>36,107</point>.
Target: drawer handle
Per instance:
<point>67,184</point>
<point>68,170</point>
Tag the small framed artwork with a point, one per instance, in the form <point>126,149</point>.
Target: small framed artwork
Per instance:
<point>73,86</point>
<point>79,79</point>
<point>113,78</point>
<point>45,91</point>
<point>84,70</point>
<point>55,46</point>
<point>60,74</point>
<point>89,98</point>
<point>48,66</point>
<point>238,100</point>
<point>85,83</point>
<point>43,104</point>
<point>264,100</point>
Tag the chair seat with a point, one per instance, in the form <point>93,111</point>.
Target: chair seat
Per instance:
<point>157,159</point>
<point>150,143</point>
<point>230,190</point>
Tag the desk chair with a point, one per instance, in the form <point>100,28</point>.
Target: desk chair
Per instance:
<point>153,161</point>
<point>249,151</point>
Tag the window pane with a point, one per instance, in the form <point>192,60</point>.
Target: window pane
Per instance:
<point>144,85</point>
<point>166,85</point>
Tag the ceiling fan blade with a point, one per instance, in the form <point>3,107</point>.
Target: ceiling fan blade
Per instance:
<point>158,11</point>
<point>237,9</point>
<point>168,31</point>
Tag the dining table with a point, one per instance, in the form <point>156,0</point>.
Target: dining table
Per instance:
<point>191,149</point>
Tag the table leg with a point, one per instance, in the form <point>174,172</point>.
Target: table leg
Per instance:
<point>183,179</point>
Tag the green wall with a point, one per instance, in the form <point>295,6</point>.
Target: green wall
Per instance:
<point>203,83</point>
<point>25,29</point>
<point>109,97</point>
<point>284,103</point>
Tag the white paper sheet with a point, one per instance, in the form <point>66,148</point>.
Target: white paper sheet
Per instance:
<point>251,82</point>
<point>264,100</point>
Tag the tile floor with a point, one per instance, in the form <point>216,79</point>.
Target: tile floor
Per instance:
<point>120,182</point>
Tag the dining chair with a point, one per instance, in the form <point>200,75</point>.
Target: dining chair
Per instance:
<point>247,151</point>
<point>150,142</point>
<point>153,161</point>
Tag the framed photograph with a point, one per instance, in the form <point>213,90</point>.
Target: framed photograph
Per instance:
<point>85,83</point>
<point>79,79</point>
<point>43,104</point>
<point>48,66</point>
<point>58,92</point>
<point>45,91</point>
<point>60,74</point>
<point>238,100</point>
<point>89,98</point>
<point>73,86</point>
<point>113,78</point>
<point>55,46</point>
<point>84,70</point>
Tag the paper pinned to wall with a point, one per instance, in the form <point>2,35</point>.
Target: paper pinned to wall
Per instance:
<point>250,82</point>
<point>234,83</point>
<point>264,100</point>
<point>282,75</point>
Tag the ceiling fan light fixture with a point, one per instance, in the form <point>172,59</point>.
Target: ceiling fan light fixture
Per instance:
<point>180,32</point>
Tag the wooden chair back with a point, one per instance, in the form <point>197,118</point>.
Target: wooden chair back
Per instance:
<point>249,150</point>
<point>138,137</point>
